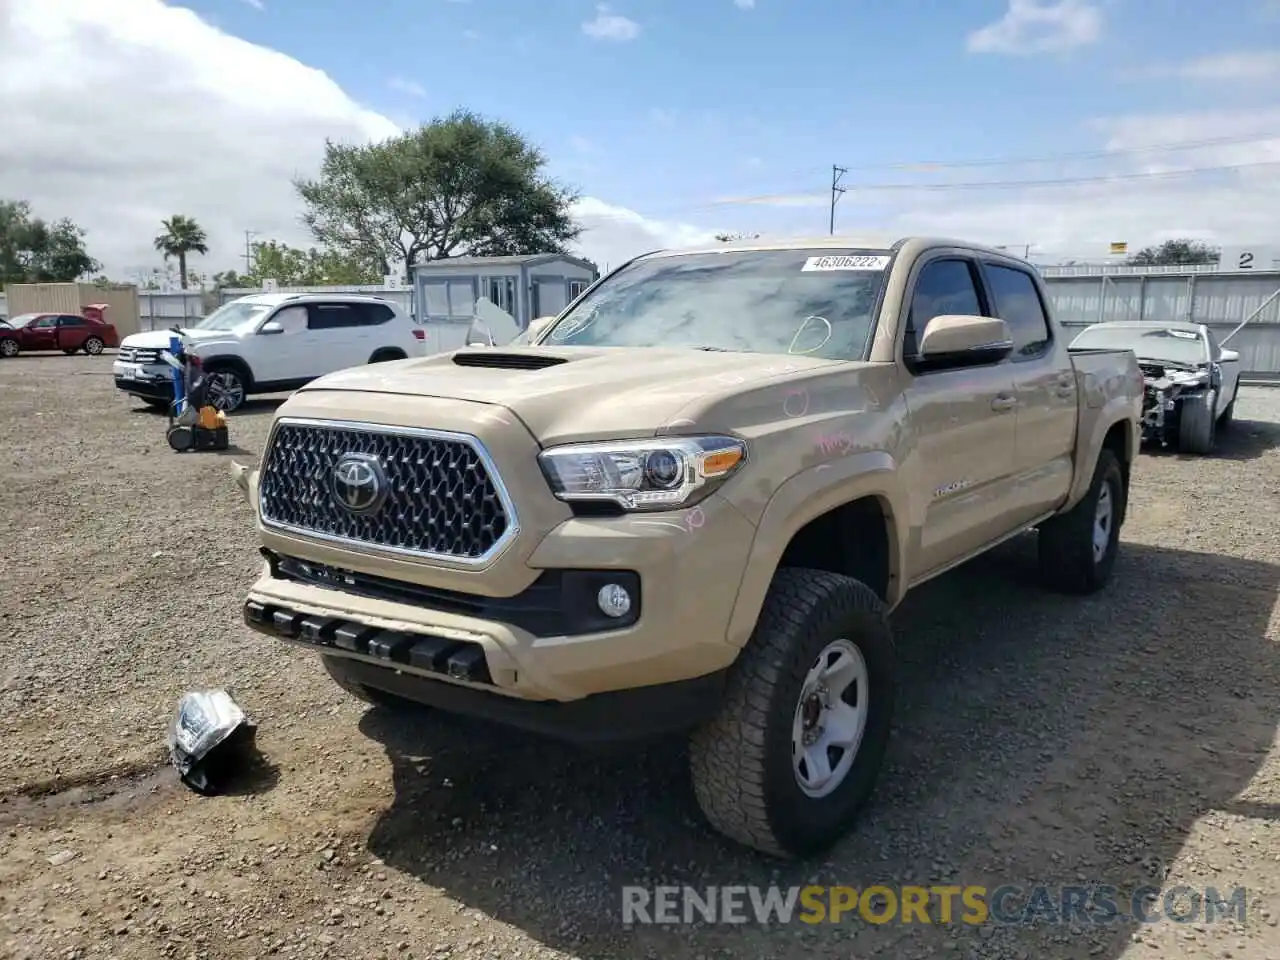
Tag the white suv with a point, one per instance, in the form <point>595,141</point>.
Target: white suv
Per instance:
<point>269,342</point>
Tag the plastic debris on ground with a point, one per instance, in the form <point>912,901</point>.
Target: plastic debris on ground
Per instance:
<point>211,741</point>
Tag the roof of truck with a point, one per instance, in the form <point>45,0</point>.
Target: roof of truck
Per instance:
<point>868,241</point>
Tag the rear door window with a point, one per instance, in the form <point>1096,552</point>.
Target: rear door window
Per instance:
<point>1017,303</point>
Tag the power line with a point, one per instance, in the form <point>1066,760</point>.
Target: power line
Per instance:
<point>1011,184</point>
<point>806,174</point>
<point>839,187</point>
<point>1084,155</point>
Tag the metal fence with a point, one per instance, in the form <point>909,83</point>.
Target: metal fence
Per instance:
<point>161,310</point>
<point>1221,300</point>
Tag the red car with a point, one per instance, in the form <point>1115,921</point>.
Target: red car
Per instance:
<point>57,331</point>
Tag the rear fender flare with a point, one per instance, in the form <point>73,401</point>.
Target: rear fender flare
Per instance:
<point>1089,436</point>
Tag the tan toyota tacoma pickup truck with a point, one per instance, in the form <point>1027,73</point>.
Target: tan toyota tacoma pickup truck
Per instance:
<point>689,503</point>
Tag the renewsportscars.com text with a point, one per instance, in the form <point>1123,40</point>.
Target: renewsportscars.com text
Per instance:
<point>970,905</point>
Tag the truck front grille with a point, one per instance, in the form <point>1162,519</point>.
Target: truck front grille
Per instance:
<point>138,355</point>
<point>439,494</point>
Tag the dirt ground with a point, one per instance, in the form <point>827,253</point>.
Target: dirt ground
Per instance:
<point>1126,739</point>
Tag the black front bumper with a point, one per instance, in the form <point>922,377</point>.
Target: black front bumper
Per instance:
<point>150,389</point>
<point>413,666</point>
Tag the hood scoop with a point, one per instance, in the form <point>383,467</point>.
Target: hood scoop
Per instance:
<point>506,361</point>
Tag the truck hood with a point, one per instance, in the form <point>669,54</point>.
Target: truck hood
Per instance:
<point>159,339</point>
<point>582,393</point>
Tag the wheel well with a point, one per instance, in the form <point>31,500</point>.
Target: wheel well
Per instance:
<point>852,539</point>
<point>1117,440</point>
<point>387,353</point>
<point>235,363</point>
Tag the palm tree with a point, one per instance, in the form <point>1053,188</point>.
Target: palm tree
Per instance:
<point>182,235</point>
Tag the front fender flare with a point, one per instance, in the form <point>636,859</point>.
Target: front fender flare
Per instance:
<point>803,498</point>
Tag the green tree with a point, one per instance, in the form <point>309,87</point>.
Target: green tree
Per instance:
<point>292,267</point>
<point>182,235</point>
<point>1176,253</point>
<point>228,280</point>
<point>35,251</point>
<point>455,186</point>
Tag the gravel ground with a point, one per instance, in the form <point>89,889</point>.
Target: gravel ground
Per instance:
<point>1125,739</point>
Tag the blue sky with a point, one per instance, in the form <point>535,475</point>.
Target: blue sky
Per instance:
<point>702,100</point>
<point>673,119</point>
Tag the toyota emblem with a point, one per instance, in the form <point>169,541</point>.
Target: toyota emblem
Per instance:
<point>359,483</point>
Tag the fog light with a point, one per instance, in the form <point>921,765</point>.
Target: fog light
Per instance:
<point>613,600</point>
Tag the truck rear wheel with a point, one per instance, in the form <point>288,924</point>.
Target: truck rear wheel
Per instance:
<point>1078,548</point>
<point>796,748</point>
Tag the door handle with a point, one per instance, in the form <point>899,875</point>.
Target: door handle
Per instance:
<point>1004,402</point>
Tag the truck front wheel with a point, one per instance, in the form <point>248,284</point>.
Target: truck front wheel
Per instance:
<point>796,748</point>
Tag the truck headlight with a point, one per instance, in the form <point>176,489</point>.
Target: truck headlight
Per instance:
<point>657,474</point>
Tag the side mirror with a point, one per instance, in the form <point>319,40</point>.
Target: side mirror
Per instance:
<point>964,341</point>
<point>271,326</point>
<point>537,326</point>
<point>1230,356</point>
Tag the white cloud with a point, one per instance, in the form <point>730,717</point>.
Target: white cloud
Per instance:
<point>744,4</point>
<point>613,234</point>
<point>1039,26</point>
<point>1241,65</point>
<point>610,26</point>
<point>1078,220</point>
<point>405,86</point>
<point>410,87</point>
<point>256,4</point>
<point>219,140</point>
<point>1240,206</point>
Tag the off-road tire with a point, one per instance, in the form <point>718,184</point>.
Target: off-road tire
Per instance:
<point>93,346</point>
<point>1197,429</point>
<point>741,761</point>
<point>1065,543</point>
<point>377,698</point>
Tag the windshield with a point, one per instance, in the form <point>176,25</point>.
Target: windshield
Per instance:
<point>1149,343</point>
<point>813,302</point>
<point>232,315</point>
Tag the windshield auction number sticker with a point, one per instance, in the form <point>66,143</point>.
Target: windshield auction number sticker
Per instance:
<point>845,263</point>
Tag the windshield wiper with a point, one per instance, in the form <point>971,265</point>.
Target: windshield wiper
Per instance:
<point>713,349</point>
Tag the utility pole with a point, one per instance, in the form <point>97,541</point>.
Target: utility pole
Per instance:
<point>248,250</point>
<point>836,191</point>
